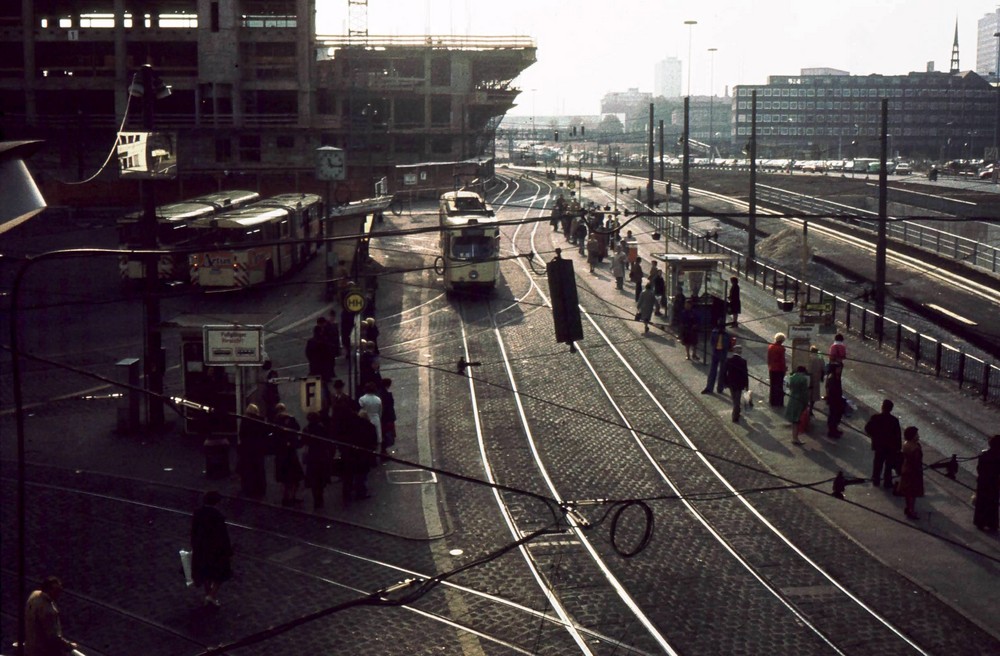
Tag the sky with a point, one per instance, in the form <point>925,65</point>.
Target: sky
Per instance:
<point>587,48</point>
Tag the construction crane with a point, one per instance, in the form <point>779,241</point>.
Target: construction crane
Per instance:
<point>357,19</point>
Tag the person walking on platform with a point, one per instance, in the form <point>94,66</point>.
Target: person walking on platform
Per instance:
<point>635,276</point>
<point>689,330</point>
<point>251,452</point>
<point>735,305</point>
<point>388,416</point>
<point>835,402</point>
<point>331,335</point>
<point>43,634</point>
<point>659,288</point>
<point>370,332</point>
<point>580,236</point>
<point>211,549</point>
<point>618,265</point>
<point>838,350</point>
<point>987,506</point>
<point>318,458</point>
<point>319,354</point>
<point>719,343</point>
<point>797,408</point>
<point>911,474</point>
<point>776,368</point>
<point>645,307</point>
<point>287,467</point>
<point>887,441</point>
<point>371,403</point>
<point>593,251</point>
<point>817,370</point>
<point>360,443</point>
<point>737,379</point>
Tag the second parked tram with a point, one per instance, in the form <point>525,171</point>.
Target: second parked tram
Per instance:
<point>258,243</point>
<point>470,242</point>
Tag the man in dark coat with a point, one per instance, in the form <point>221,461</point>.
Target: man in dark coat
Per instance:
<point>320,354</point>
<point>737,379</point>
<point>834,400</point>
<point>735,305</point>
<point>360,442</point>
<point>719,345</point>
<point>987,513</point>
<point>211,549</point>
<point>318,458</point>
<point>887,440</point>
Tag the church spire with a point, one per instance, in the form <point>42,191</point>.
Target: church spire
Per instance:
<point>954,51</point>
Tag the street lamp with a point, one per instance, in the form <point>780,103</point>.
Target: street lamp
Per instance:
<point>690,24</point>
<point>711,106</point>
<point>996,115</point>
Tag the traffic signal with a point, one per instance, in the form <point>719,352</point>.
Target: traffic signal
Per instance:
<point>565,303</point>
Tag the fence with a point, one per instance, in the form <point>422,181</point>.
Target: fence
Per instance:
<point>944,244</point>
<point>887,335</point>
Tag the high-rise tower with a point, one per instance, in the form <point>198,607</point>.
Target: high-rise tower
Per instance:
<point>954,51</point>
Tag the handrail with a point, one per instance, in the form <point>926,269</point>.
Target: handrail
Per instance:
<point>926,353</point>
<point>944,244</point>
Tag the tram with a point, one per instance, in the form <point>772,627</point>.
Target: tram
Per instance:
<point>470,242</point>
<point>257,243</point>
<point>174,230</point>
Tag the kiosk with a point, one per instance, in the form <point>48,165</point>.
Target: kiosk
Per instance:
<point>696,276</point>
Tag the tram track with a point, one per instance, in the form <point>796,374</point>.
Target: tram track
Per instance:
<point>757,519</point>
<point>278,551</point>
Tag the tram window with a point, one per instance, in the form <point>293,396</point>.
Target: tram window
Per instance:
<point>465,247</point>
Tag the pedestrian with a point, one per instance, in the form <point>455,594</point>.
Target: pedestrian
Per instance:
<point>580,236</point>
<point>911,473</point>
<point>211,549</point>
<point>593,251</point>
<point>645,306</point>
<point>342,279</point>
<point>776,368</point>
<point>618,264</point>
<point>689,330</point>
<point>735,305</point>
<point>319,353</point>
<point>573,225</point>
<point>388,416</point>
<point>331,334</point>
<point>360,443</point>
<point>318,458</point>
<point>370,332</point>
<point>371,403</point>
<point>719,345</point>
<point>287,467</point>
<point>636,277</point>
<point>987,506</point>
<point>347,332</point>
<point>887,441</point>
<point>659,289</point>
<point>817,370</point>
<point>251,451</point>
<point>797,409</point>
<point>368,366</point>
<point>269,393</point>
<point>838,350</point>
<point>835,402</point>
<point>43,634</point>
<point>737,379</point>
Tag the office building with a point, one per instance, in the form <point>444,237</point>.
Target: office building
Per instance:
<point>987,44</point>
<point>667,78</point>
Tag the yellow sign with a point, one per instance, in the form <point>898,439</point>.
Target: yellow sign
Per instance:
<point>354,302</point>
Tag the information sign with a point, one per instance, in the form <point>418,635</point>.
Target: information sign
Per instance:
<point>312,394</point>
<point>354,301</point>
<point>233,345</point>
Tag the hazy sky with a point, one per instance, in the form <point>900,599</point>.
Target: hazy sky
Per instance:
<point>589,47</point>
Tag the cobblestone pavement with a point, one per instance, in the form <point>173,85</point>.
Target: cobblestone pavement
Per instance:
<point>125,594</point>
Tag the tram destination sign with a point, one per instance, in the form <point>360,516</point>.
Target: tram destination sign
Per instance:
<point>233,345</point>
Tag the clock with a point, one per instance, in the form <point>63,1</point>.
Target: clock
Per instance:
<point>331,163</point>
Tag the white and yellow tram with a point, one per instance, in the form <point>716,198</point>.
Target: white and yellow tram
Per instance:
<point>470,242</point>
<point>174,230</point>
<point>257,243</point>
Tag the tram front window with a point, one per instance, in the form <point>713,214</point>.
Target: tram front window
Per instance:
<point>471,248</point>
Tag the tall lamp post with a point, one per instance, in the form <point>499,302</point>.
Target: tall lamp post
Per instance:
<point>996,115</point>
<point>711,105</point>
<point>690,24</point>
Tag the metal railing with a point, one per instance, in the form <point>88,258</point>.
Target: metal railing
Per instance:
<point>943,244</point>
<point>887,335</point>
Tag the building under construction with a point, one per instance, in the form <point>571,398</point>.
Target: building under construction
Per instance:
<point>253,91</point>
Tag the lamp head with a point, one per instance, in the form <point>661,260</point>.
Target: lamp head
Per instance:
<point>22,199</point>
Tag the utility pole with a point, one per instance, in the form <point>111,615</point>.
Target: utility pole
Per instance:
<point>880,244</point>
<point>661,149</point>
<point>153,358</point>
<point>686,168</point>
<point>752,216</point>
<point>649,182</point>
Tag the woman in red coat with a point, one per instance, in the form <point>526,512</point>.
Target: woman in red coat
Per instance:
<point>776,368</point>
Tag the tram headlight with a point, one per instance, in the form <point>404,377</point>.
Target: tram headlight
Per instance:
<point>473,275</point>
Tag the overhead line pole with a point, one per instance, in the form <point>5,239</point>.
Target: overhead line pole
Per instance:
<point>686,168</point>
<point>883,191</point>
<point>153,357</point>
<point>752,218</point>
<point>649,182</point>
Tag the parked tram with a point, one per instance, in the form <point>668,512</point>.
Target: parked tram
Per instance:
<point>174,230</point>
<point>257,243</point>
<point>470,242</point>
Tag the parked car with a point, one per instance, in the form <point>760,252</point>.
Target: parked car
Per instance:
<point>904,168</point>
<point>986,173</point>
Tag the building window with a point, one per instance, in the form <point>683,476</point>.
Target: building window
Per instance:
<point>223,150</point>
<point>285,141</point>
<point>250,148</point>
<point>214,16</point>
